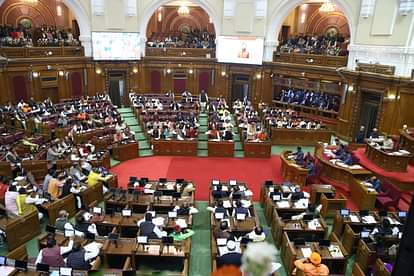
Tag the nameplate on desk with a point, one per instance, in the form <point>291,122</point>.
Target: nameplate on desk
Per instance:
<point>126,213</point>
<point>97,210</point>
<point>216,182</point>
<point>65,271</point>
<point>221,242</point>
<point>271,189</point>
<point>172,214</point>
<point>233,182</point>
<point>152,213</point>
<point>241,216</point>
<point>219,215</point>
<point>142,239</point>
<point>276,197</point>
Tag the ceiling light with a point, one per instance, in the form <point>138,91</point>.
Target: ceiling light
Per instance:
<point>327,7</point>
<point>183,10</point>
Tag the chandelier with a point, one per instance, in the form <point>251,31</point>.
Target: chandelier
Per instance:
<point>183,10</point>
<point>327,7</point>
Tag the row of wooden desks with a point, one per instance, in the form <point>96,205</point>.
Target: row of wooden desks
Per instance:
<point>331,171</point>
<point>257,149</point>
<point>387,160</point>
<point>220,148</point>
<point>303,137</point>
<point>175,147</point>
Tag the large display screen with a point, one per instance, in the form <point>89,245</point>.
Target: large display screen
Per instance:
<point>115,46</point>
<point>237,49</point>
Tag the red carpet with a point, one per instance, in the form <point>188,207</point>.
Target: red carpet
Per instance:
<point>399,176</point>
<point>202,170</point>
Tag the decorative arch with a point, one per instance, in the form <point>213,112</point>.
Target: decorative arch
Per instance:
<point>286,6</point>
<point>152,8</point>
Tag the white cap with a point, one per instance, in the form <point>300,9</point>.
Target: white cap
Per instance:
<point>231,245</point>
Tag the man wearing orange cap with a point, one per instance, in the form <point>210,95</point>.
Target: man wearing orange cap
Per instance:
<point>312,266</point>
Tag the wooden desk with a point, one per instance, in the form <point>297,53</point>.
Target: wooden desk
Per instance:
<point>318,189</point>
<point>37,167</point>
<point>290,253</point>
<point>291,171</point>
<point>387,161</point>
<point>91,194</point>
<point>257,149</point>
<point>331,205</point>
<point>407,143</point>
<point>240,228</point>
<point>123,152</point>
<point>21,229</point>
<point>364,199</point>
<point>296,229</point>
<point>175,147</point>
<point>6,169</point>
<point>220,149</point>
<point>302,137</point>
<point>336,173</point>
<point>52,208</point>
<point>379,269</point>
<point>115,255</point>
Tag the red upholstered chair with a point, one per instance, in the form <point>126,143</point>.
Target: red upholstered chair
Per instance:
<point>389,197</point>
<point>355,159</point>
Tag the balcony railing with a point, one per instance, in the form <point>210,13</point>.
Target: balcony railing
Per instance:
<point>180,52</point>
<point>39,52</point>
<point>318,60</point>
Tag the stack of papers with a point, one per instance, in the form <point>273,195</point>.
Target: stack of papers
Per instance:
<point>182,223</point>
<point>369,219</point>
<point>283,204</point>
<point>306,252</point>
<point>354,218</point>
<point>158,221</point>
<point>93,246</point>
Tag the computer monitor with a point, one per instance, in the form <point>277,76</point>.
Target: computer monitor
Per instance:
<point>113,236</point>
<point>363,213</point>
<point>179,180</point>
<point>20,265</point>
<point>129,273</point>
<point>163,180</point>
<point>109,211</point>
<point>97,210</point>
<point>50,229</point>
<point>42,268</point>
<point>145,179</point>
<point>308,217</point>
<point>383,213</point>
<point>364,234</point>
<point>167,240</point>
<point>157,193</point>
<point>402,214</point>
<point>133,179</point>
<point>65,271</point>
<point>236,196</point>
<point>325,243</point>
<point>89,236</point>
<point>126,213</point>
<point>344,212</point>
<point>268,183</point>
<point>296,196</point>
<point>176,195</point>
<point>3,260</point>
<point>299,241</point>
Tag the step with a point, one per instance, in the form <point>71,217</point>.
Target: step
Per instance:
<point>143,145</point>
<point>136,129</point>
<point>239,154</point>
<point>202,153</point>
<point>124,110</point>
<point>202,137</point>
<point>140,136</point>
<point>127,115</point>
<point>236,138</point>
<point>203,129</point>
<point>238,146</point>
<point>145,153</point>
<point>202,145</point>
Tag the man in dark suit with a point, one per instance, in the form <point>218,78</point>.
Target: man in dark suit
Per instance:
<point>361,135</point>
<point>299,156</point>
<point>218,193</point>
<point>231,257</point>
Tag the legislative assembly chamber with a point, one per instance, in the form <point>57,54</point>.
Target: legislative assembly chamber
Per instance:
<point>207,137</point>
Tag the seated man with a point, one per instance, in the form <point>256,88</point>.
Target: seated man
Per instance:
<point>347,159</point>
<point>374,134</point>
<point>27,203</point>
<point>299,155</point>
<point>375,182</point>
<point>52,254</point>
<point>180,235</point>
<point>95,177</point>
<point>241,210</point>
<point>82,226</point>
<point>219,193</point>
<point>149,229</point>
<point>231,257</point>
<point>62,220</point>
<point>218,209</point>
<point>257,235</point>
<point>388,143</point>
<point>312,266</point>
<point>223,231</point>
<point>80,258</point>
<point>360,138</point>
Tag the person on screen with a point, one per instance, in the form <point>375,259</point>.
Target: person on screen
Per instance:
<point>243,53</point>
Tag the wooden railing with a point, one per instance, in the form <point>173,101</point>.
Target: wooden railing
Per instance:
<point>37,52</point>
<point>180,52</point>
<point>319,60</point>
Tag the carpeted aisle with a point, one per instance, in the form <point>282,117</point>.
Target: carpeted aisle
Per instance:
<point>202,170</point>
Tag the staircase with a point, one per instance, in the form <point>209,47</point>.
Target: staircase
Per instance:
<point>238,147</point>
<point>202,147</point>
<point>129,118</point>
